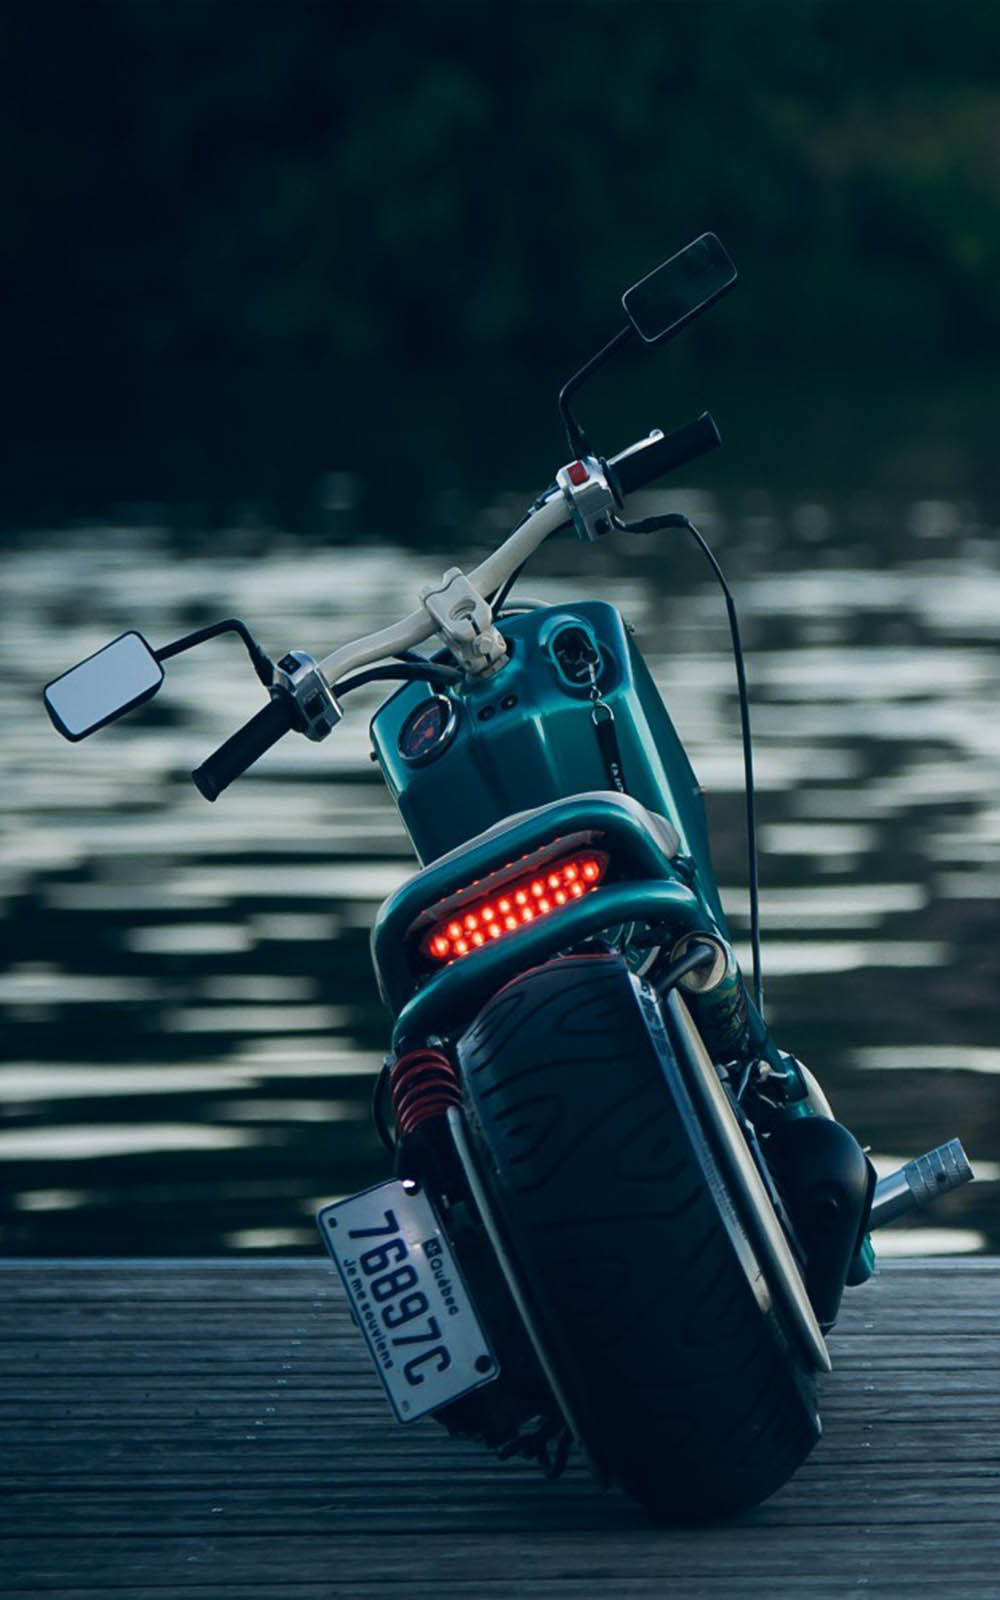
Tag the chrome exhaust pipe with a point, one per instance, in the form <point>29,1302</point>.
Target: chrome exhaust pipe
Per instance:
<point>919,1182</point>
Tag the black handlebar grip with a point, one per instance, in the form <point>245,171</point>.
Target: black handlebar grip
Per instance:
<point>634,468</point>
<point>245,747</point>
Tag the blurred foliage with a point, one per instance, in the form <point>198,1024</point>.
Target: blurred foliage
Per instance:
<point>284,196</point>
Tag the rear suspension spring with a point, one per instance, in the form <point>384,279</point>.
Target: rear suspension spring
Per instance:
<point>423,1083</point>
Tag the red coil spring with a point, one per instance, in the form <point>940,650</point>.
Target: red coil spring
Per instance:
<point>423,1084</point>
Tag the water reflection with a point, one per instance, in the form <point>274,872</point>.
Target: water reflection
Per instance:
<point>190,1017</point>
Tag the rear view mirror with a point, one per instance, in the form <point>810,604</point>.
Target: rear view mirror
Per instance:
<point>109,683</point>
<point>665,301</point>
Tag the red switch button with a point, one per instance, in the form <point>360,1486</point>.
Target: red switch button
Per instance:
<point>577,473</point>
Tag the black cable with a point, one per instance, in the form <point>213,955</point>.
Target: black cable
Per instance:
<point>695,957</point>
<point>745,1079</point>
<point>427,672</point>
<point>748,783</point>
<point>496,600</point>
<point>676,519</point>
<point>378,1107</point>
<point>673,519</point>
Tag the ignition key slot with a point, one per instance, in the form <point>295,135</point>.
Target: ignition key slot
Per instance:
<point>576,655</point>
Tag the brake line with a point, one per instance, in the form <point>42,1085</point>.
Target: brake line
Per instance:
<point>676,519</point>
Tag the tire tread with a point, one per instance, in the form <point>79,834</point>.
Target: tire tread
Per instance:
<point>693,1397</point>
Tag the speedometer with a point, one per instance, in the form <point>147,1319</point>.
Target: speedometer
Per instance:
<point>428,730</point>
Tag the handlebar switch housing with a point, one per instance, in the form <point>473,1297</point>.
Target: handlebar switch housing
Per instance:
<point>590,498</point>
<point>318,710</point>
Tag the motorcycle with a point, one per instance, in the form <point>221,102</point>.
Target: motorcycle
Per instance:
<point>619,1213</point>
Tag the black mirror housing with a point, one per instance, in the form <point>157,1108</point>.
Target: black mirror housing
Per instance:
<point>667,299</point>
<point>115,679</point>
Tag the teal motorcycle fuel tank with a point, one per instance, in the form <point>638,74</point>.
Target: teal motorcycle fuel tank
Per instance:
<point>456,762</point>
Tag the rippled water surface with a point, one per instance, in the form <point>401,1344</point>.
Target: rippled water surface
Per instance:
<point>190,1021</point>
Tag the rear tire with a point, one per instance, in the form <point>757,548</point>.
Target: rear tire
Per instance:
<point>685,1378</point>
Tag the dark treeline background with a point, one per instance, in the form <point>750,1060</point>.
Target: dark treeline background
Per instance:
<point>248,243</point>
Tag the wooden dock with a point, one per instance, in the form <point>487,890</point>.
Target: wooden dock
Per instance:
<point>213,1431</point>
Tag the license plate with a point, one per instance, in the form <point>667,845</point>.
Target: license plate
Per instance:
<point>408,1297</point>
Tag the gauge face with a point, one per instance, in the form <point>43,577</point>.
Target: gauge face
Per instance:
<point>428,730</point>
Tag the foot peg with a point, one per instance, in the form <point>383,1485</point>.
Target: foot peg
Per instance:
<point>919,1182</point>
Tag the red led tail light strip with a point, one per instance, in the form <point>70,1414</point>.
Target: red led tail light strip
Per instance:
<point>513,904</point>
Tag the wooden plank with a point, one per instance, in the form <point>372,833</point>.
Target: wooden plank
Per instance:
<point>214,1429</point>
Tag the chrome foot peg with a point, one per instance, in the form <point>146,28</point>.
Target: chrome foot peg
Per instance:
<point>919,1182</point>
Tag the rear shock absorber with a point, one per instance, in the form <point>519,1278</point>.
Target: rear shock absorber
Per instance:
<point>423,1084</point>
<point>716,995</point>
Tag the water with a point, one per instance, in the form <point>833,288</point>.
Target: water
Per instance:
<point>191,1023</point>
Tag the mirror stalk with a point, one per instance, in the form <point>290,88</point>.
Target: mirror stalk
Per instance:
<point>578,442</point>
<point>261,662</point>
<point>128,672</point>
<point>658,307</point>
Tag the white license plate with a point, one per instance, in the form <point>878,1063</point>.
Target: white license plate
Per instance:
<point>408,1297</point>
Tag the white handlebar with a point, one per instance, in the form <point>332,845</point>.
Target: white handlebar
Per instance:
<point>487,577</point>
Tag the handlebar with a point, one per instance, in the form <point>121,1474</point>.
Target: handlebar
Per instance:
<point>487,577</point>
<point>633,469</point>
<point>641,464</point>
<point>245,747</point>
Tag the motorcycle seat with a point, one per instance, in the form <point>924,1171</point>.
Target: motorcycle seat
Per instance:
<point>656,826</point>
